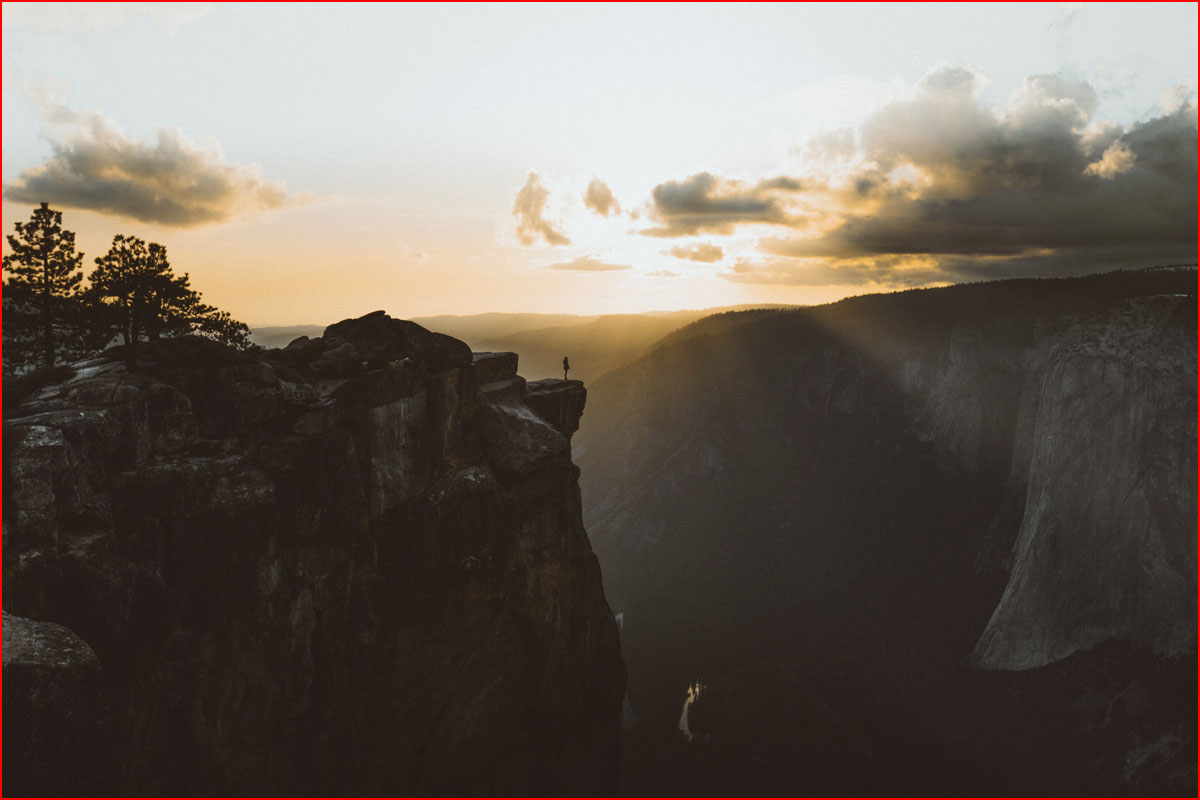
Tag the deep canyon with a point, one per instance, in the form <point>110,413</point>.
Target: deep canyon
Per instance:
<point>937,541</point>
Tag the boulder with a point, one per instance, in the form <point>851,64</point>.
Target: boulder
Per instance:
<point>379,339</point>
<point>340,361</point>
<point>56,718</point>
<point>491,367</point>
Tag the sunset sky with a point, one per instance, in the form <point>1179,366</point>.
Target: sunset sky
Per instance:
<point>306,163</point>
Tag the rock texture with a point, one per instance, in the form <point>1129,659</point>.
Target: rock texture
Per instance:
<point>1105,551</point>
<point>559,402</point>
<point>56,720</point>
<point>350,566</point>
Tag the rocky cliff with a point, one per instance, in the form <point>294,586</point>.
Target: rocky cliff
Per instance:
<point>356,565</point>
<point>1106,548</point>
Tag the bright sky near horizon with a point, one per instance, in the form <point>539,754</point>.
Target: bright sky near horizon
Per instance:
<point>310,162</point>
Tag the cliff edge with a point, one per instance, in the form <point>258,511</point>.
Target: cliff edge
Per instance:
<point>356,565</point>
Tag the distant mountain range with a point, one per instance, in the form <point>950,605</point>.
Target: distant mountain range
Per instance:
<point>594,344</point>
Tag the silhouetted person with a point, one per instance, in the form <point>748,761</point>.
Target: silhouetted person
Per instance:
<point>566,367</point>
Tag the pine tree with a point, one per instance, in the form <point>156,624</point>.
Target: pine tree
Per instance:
<point>134,288</point>
<point>121,285</point>
<point>219,325</point>
<point>42,307</point>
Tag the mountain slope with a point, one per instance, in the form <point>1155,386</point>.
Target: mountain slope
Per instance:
<point>823,504</point>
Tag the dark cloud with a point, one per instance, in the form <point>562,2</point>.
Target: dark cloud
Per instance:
<point>968,191</point>
<point>905,271</point>
<point>965,149</point>
<point>529,208</point>
<point>704,253</point>
<point>169,181</point>
<point>1066,262</point>
<point>588,264</point>
<point>817,272</point>
<point>704,202</point>
<point>1030,181</point>
<point>599,198</point>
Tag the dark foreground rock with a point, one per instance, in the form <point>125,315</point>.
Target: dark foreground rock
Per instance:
<point>56,719</point>
<point>335,568</point>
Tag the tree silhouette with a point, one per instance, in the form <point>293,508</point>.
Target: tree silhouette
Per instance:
<point>43,320</point>
<point>137,295</point>
<point>222,327</point>
<point>122,282</point>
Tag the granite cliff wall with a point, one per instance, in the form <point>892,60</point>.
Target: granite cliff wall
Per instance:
<point>356,565</point>
<point>1091,424</point>
<point>1105,548</point>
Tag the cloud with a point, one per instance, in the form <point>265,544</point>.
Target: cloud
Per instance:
<point>529,208</point>
<point>599,198</point>
<point>662,273</point>
<point>1039,175</point>
<point>702,252</point>
<point>833,145</point>
<point>939,185</point>
<point>169,181</point>
<point>890,272</point>
<point>705,202</point>
<point>588,264</point>
<point>1117,158</point>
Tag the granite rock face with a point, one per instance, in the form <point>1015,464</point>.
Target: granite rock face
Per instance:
<point>1111,488</point>
<point>341,567</point>
<point>559,402</point>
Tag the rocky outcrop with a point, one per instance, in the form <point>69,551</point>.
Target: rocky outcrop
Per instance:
<point>56,721</point>
<point>558,402</point>
<point>355,566</point>
<point>1105,549</point>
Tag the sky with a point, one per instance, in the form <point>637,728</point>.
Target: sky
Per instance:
<point>310,162</point>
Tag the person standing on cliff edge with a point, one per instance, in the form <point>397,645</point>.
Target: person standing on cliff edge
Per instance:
<point>566,366</point>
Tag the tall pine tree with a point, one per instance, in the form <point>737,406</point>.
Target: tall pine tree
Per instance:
<point>43,321</point>
<point>134,288</point>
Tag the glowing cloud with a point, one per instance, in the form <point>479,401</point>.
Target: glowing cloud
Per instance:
<point>940,185</point>
<point>1117,158</point>
<point>529,208</point>
<point>704,253</point>
<point>599,198</point>
<point>589,264</point>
